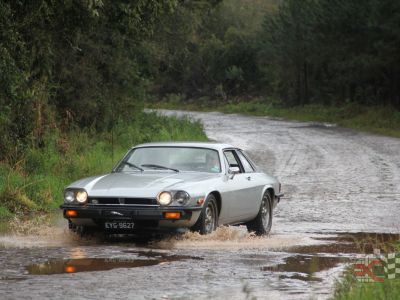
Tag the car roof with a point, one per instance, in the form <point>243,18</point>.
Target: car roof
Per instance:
<point>210,145</point>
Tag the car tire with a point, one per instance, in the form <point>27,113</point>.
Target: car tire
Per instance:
<point>262,223</point>
<point>208,220</point>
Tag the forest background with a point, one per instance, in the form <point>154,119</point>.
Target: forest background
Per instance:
<point>75,76</point>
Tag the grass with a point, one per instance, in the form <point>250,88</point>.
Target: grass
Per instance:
<point>348,288</point>
<point>383,120</point>
<point>36,181</point>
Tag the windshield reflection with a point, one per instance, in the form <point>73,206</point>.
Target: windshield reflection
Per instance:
<point>171,159</point>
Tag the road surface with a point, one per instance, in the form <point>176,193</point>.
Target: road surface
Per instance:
<point>341,187</point>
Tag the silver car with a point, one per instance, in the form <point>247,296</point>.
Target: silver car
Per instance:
<point>164,186</point>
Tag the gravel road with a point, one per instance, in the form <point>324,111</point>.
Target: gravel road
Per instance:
<point>340,187</point>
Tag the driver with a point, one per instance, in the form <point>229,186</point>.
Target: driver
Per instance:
<point>212,163</point>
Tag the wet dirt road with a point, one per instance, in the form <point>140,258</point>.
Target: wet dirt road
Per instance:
<point>337,183</point>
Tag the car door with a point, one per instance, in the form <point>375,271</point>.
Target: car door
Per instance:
<point>257,183</point>
<point>240,189</point>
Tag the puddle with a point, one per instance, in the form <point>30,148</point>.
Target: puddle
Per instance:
<point>362,236</point>
<point>336,250</point>
<point>316,125</point>
<point>348,243</point>
<point>161,255</point>
<point>87,265</point>
<point>12,279</point>
<point>358,243</point>
<point>76,265</point>
<point>305,267</point>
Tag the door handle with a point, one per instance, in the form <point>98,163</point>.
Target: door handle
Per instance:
<point>248,178</point>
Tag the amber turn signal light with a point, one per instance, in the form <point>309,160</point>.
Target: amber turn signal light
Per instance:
<point>172,215</point>
<point>70,269</point>
<point>71,213</point>
<point>200,201</point>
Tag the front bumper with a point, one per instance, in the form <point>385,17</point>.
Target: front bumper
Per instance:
<point>279,196</point>
<point>277,199</point>
<point>143,216</point>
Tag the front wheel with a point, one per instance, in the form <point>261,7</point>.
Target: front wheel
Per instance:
<point>208,220</point>
<point>262,223</point>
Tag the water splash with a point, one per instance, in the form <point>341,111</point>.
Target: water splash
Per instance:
<point>39,231</point>
<point>231,238</point>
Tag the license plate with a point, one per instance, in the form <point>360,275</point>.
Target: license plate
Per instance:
<point>118,225</point>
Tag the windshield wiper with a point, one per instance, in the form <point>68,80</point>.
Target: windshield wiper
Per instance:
<point>132,165</point>
<point>159,167</point>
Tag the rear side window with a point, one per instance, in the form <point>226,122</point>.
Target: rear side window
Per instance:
<point>248,168</point>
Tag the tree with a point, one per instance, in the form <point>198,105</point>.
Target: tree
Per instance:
<point>70,60</point>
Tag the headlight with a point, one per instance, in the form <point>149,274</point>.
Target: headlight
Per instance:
<point>81,196</point>
<point>181,197</point>
<point>164,198</point>
<point>69,196</point>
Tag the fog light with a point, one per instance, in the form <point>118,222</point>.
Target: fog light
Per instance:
<point>172,215</point>
<point>71,213</point>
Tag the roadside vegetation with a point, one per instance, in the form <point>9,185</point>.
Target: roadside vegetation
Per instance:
<point>72,89</point>
<point>327,60</point>
<point>36,180</point>
<point>348,288</point>
<point>325,52</point>
<point>79,67</point>
<point>377,119</point>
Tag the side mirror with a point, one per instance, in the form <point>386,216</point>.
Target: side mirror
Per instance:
<point>232,171</point>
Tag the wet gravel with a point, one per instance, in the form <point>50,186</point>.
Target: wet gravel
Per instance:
<point>337,183</point>
<point>334,179</point>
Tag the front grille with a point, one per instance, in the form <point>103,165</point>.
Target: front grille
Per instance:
<point>132,201</point>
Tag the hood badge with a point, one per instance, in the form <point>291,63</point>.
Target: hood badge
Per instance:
<point>115,213</point>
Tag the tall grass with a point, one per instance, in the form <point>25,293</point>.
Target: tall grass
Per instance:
<point>348,288</point>
<point>36,181</point>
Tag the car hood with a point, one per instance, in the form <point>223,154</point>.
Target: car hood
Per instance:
<point>140,184</point>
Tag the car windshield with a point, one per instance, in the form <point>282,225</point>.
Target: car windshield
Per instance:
<point>173,159</point>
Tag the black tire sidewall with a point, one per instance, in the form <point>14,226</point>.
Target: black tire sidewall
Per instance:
<point>200,225</point>
<point>256,225</point>
<point>269,203</point>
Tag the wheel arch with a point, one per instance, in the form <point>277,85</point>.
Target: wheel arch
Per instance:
<point>270,190</point>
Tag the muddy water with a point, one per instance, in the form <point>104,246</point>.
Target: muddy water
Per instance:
<point>228,263</point>
<point>341,200</point>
